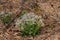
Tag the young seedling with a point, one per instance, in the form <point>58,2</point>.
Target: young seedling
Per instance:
<point>5,17</point>
<point>29,24</point>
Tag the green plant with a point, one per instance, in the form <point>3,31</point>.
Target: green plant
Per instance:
<point>29,24</point>
<point>6,18</point>
<point>30,28</point>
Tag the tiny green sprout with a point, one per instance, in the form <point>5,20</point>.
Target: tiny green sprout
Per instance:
<point>24,0</point>
<point>51,26</point>
<point>22,13</point>
<point>29,24</point>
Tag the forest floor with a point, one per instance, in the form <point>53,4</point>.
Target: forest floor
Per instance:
<point>48,9</point>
